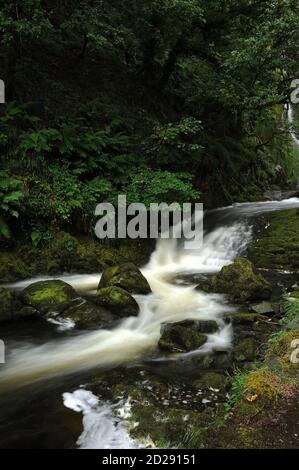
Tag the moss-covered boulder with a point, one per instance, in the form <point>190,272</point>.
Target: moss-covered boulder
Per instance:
<point>126,276</point>
<point>241,282</point>
<point>118,301</point>
<point>50,298</point>
<point>278,243</point>
<point>86,314</point>
<point>185,336</point>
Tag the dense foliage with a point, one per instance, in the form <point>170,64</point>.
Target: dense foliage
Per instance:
<point>158,99</point>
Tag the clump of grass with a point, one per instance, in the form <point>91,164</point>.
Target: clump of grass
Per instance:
<point>238,381</point>
<point>291,308</point>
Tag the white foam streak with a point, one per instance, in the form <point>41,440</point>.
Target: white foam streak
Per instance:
<point>101,428</point>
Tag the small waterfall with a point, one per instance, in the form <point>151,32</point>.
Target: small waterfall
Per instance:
<point>290,116</point>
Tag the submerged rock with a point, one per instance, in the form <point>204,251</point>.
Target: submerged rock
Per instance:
<point>185,336</point>
<point>118,301</point>
<point>241,282</point>
<point>86,314</point>
<point>126,276</point>
<point>50,298</point>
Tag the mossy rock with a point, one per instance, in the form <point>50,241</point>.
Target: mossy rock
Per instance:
<point>220,361</point>
<point>246,318</point>
<point>245,350</point>
<point>50,298</point>
<point>181,337</point>
<point>263,308</point>
<point>211,380</point>
<point>126,276</point>
<point>86,314</point>
<point>278,244</point>
<point>241,282</point>
<point>118,301</point>
<point>9,305</point>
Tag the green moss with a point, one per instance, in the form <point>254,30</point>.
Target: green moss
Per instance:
<point>241,282</point>
<point>12,268</point>
<point>66,253</point>
<point>127,276</point>
<point>8,305</point>
<point>48,297</point>
<point>278,244</point>
<point>245,350</point>
<point>177,338</point>
<point>117,301</point>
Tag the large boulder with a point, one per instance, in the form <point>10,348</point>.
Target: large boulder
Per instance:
<point>118,301</point>
<point>50,298</point>
<point>185,336</point>
<point>126,276</point>
<point>241,282</point>
<point>86,314</point>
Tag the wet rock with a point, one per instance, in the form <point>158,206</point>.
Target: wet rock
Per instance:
<point>214,380</point>
<point>9,305</point>
<point>241,282</point>
<point>118,301</point>
<point>86,314</point>
<point>245,350</point>
<point>217,361</point>
<point>27,312</point>
<point>185,336</point>
<point>126,276</point>
<point>50,298</point>
<point>264,308</point>
<point>248,318</point>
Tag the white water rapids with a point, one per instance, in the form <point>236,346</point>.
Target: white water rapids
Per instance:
<point>137,336</point>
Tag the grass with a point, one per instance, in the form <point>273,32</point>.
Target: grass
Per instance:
<point>239,379</point>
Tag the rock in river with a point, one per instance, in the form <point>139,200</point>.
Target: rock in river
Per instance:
<point>241,282</point>
<point>50,298</point>
<point>86,314</point>
<point>126,276</point>
<point>185,336</point>
<point>118,301</point>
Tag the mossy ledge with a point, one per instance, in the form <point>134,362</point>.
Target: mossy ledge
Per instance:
<point>66,253</point>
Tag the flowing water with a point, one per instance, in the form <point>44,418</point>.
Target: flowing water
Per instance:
<point>228,232</point>
<point>290,117</point>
